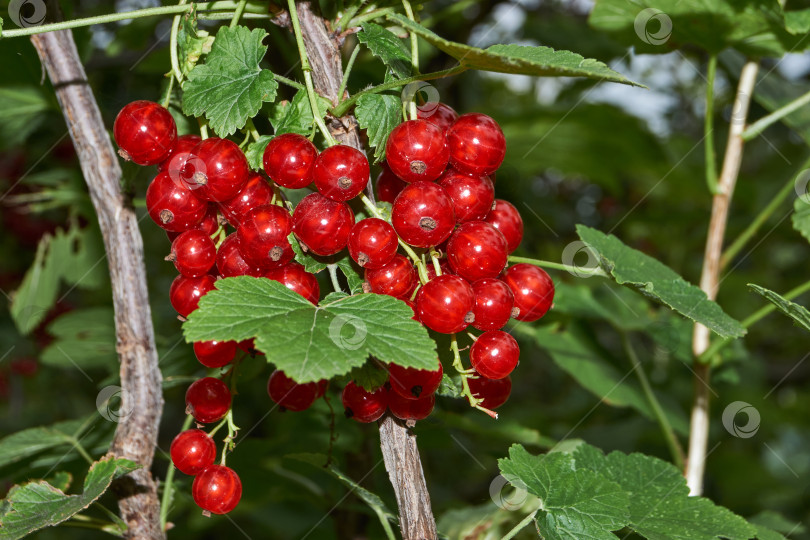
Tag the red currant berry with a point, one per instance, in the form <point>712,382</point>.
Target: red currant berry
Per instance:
<point>217,489</point>
<point>440,115</point>
<point>220,169</point>
<point>288,160</point>
<point>412,383</point>
<point>476,144</point>
<point>372,243</point>
<point>494,354</point>
<point>423,214</point>
<point>185,292</point>
<point>411,409</point>
<point>431,269</point>
<point>263,237</point>
<point>341,172</point>
<point>472,196</point>
<point>533,290</point>
<point>322,225</point>
<point>494,304</point>
<point>506,219</point>
<point>389,185</point>
<point>295,278</point>
<point>289,394</point>
<point>180,152</point>
<point>362,405</point>
<point>230,261</point>
<point>494,392</point>
<point>323,386</point>
<point>255,192</point>
<point>172,206</point>
<point>145,132</point>
<point>477,250</point>
<point>416,150</point>
<point>193,253</point>
<point>445,304</point>
<point>208,400</point>
<point>192,451</point>
<point>215,354</point>
<point>397,278</point>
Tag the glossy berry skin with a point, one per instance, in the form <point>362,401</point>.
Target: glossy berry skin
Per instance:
<point>494,354</point>
<point>506,218</point>
<point>397,278</point>
<point>388,185</point>
<point>215,354</point>
<point>209,224</point>
<point>472,196</point>
<point>220,169</point>
<point>440,115</point>
<point>364,406</point>
<point>494,392</point>
<point>476,144</point>
<point>477,250</point>
<point>494,304</point>
<point>263,237</point>
<point>179,153</point>
<point>255,192</point>
<point>372,243</point>
<point>289,394</point>
<point>230,262</point>
<point>192,451</point>
<point>412,383</point>
<point>172,206</point>
<point>416,150</point>
<point>208,400</point>
<point>411,409</point>
<point>322,225</point>
<point>295,278</point>
<point>423,215</point>
<point>341,172</point>
<point>185,292</point>
<point>144,132</point>
<point>533,290</point>
<point>288,160</point>
<point>193,253</point>
<point>217,489</point>
<point>445,304</point>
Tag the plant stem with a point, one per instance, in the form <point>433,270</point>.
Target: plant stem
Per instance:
<point>168,97</point>
<point>760,125</point>
<point>343,24</point>
<point>465,385</point>
<point>333,276</point>
<point>708,126</point>
<point>289,82</point>
<point>414,55</point>
<point>371,15</point>
<point>521,525</point>
<point>168,485</point>
<point>349,66</point>
<point>237,14</point>
<point>558,266</point>
<point>374,211</point>
<point>178,73</point>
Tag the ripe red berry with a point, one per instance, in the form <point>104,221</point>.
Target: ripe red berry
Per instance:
<point>230,261</point>
<point>439,114</point>
<point>476,144</point>
<point>341,172</point>
<point>263,237</point>
<point>322,225</point>
<point>431,270</point>
<point>364,406</point>
<point>208,400</point>
<point>288,160</point>
<point>172,206</point>
<point>295,278</point>
<point>389,185</point>
<point>289,394</point>
<point>445,304</point>
<point>185,292</point>
<point>411,409</point>
<point>145,132</point>
<point>219,170</point>
<point>412,383</point>
<point>217,489</point>
<point>180,152</point>
<point>215,354</point>
<point>472,195</point>
<point>506,219</point>
<point>416,150</point>
<point>477,250</point>
<point>372,243</point>
<point>255,192</point>
<point>494,354</point>
<point>533,290</point>
<point>192,451</point>
<point>494,304</point>
<point>193,253</point>
<point>208,225</point>
<point>423,215</point>
<point>494,392</point>
<point>397,278</point>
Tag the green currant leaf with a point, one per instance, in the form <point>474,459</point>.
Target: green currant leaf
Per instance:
<point>22,110</point>
<point>191,42</point>
<point>378,114</point>
<point>85,336</point>
<point>386,46</point>
<point>369,376</point>
<point>450,386</point>
<point>352,272</point>
<point>310,262</point>
<point>29,442</point>
<point>230,87</point>
<point>772,525</point>
<point>309,342</point>
<point>296,116</point>
<point>255,152</point>
<point>801,216</point>
<point>799,314</point>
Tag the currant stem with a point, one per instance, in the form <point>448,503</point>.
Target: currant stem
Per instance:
<point>347,71</point>
<point>436,265</point>
<point>168,484</point>
<point>237,14</point>
<point>374,211</point>
<point>414,55</point>
<point>760,125</point>
<point>465,386</point>
<point>289,82</point>
<point>333,276</point>
<point>708,126</point>
<point>203,127</point>
<point>522,524</point>
<point>575,270</point>
<point>371,15</point>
